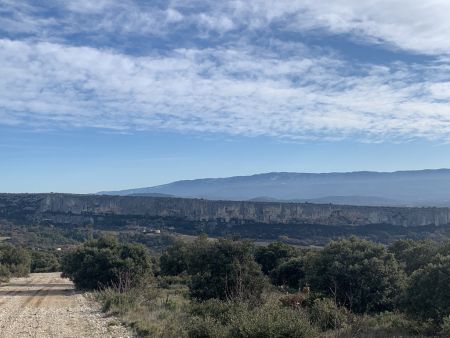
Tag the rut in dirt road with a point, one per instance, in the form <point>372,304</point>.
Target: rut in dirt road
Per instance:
<point>45,305</point>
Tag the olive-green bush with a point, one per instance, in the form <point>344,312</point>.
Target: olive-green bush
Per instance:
<point>359,274</point>
<point>215,318</point>
<point>44,261</point>
<point>269,257</point>
<point>428,293</point>
<point>223,269</point>
<point>289,273</point>
<point>15,261</point>
<point>5,274</point>
<point>105,262</point>
<point>325,314</point>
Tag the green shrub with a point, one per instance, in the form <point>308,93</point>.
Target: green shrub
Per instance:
<point>215,318</point>
<point>428,292</point>
<point>175,259</point>
<point>206,327</point>
<point>118,302</point>
<point>105,262</point>
<point>445,326</point>
<point>221,311</point>
<point>4,273</point>
<point>413,255</point>
<point>151,311</point>
<point>16,260</point>
<point>226,270</point>
<point>387,324</point>
<point>42,261</point>
<point>326,315</point>
<point>289,273</point>
<point>359,274</point>
<point>269,257</point>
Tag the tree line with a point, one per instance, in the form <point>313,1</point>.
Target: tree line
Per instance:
<point>16,261</point>
<point>228,278</point>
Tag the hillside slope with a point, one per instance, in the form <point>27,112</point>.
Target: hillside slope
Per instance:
<point>406,188</point>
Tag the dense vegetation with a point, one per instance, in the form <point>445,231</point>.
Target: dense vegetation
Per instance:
<point>14,262</point>
<point>106,262</point>
<point>229,288</point>
<point>206,287</point>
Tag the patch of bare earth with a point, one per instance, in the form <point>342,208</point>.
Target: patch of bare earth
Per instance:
<point>46,305</point>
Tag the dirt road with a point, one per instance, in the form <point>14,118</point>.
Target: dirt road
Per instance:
<point>45,305</point>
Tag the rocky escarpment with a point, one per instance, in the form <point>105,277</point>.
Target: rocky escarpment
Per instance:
<point>69,208</point>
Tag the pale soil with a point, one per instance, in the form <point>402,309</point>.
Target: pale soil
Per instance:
<point>46,305</point>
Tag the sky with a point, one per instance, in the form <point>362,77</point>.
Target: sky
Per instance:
<point>106,95</point>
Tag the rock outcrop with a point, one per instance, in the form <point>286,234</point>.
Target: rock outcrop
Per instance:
<point>70,208</point>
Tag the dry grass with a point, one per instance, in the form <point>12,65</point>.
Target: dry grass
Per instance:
<point>151,311</point>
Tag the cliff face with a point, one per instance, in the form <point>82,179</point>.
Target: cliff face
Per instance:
<point>70,208</point>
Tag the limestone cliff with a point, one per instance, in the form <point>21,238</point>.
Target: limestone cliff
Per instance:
<point>69,208</point>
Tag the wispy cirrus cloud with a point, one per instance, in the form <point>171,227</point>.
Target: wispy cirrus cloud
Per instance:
<point>228,67</point>
<point>235,91</point>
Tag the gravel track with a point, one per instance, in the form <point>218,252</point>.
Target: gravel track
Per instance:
<point>45,305</point>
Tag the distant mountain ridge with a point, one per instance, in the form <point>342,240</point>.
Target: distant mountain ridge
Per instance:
<point>343,200</point>
<point>430,187</point>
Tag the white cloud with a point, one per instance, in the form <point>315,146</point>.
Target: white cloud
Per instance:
<point>417,26</point>
<point>237,91</point>
<point>234,86</point>
<point>88,6</point>
<point>440,90</point>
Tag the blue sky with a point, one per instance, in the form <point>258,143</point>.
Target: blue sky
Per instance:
<point>99,95</point>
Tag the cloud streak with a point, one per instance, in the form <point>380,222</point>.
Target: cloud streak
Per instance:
<point>238,91</point>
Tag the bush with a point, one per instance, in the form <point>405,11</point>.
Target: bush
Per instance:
<point>175,259</point>
<point>413,255</point>
<point>445,326</point>
<point>105,262</point>
<point>269,257</point>
<point>15,260</point>
<point>428,292</point>
<point>271,321</point>
<point>149,310</point>
<point>206,327</point>
<point>117,302</point>
<point>289,273</point>
<point>359,274</point>
<point>326,315</point>
<point>387,324</point>
<point>220,311</point>
<point>215,318</point>
<point>42,261</point>
<point>224,269</point>
<point>4,273</point>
